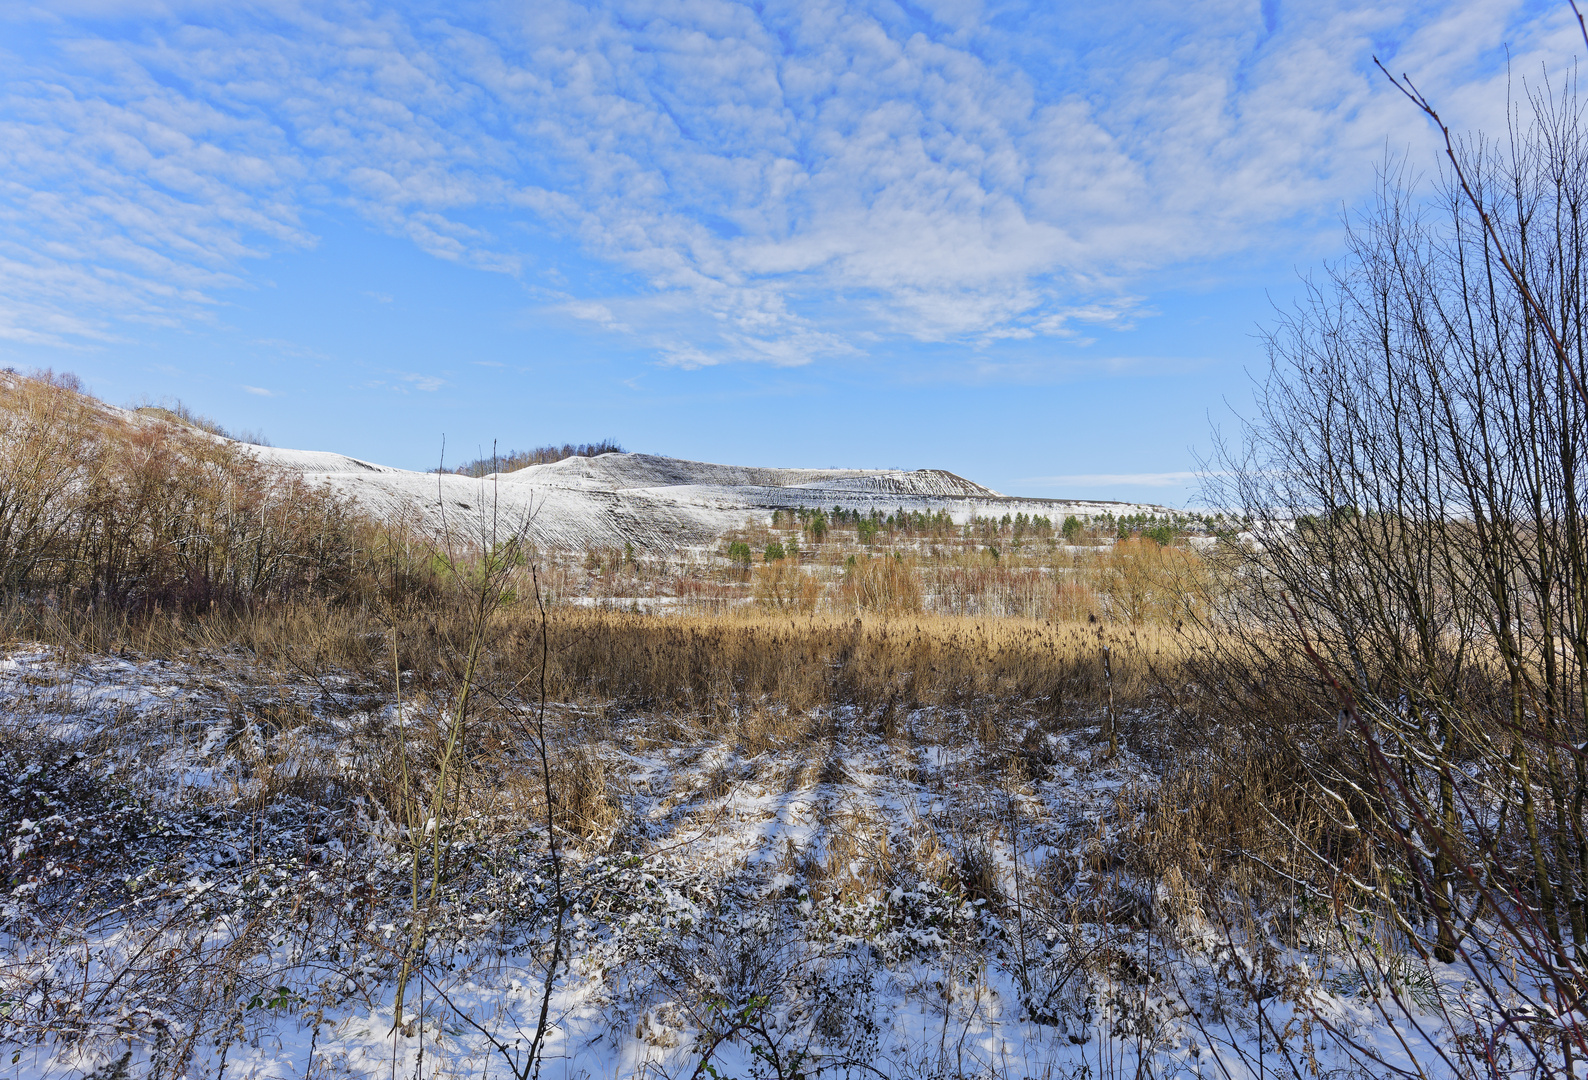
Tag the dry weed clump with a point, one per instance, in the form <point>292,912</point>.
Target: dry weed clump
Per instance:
<point>782,586</point>
<point>890,585</point>
<point>1236,819</point>
<point>585,803</point>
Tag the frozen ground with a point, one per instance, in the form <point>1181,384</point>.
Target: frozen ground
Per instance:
<point>202,881</point>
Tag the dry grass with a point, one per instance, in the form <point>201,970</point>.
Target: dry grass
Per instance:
<point>964,715</point>
<point>964,639</point>
<point>977,569</point>
<point>706,665</point>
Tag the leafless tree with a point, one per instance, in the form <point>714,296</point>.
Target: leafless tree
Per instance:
<point>1414,583</point>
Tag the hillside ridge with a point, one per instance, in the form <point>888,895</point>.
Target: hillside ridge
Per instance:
<point>654,502</point>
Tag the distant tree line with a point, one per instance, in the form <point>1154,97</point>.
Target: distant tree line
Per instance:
<point>513,460</point>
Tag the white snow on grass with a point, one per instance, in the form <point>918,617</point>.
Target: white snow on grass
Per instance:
<point>237,905</point>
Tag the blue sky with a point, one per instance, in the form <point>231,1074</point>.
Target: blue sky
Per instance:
<point>1031,243</point>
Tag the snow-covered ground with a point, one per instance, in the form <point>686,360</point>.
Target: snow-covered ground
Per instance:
<point>655,503</point>
<point>202,879</point>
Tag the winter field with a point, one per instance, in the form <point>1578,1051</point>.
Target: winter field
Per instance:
<point>211,887</point>
<point>806,774</point>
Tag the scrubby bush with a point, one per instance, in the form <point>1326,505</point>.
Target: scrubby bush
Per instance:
<point>150,513</point>
<point>1143,580</point>
<point>782,586</point>
<point>175,412</point>
<point>50,437</point>
<point>888,585</point>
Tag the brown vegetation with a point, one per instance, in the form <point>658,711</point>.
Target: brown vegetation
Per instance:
<point>150,514</point>
<point>696,665</point>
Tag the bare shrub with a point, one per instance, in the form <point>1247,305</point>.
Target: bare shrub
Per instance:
<point>1412,591</point>
<point>155,514</point>
<point>50,439</point>
<point>1143,581</point>
<point>888,585</point>
<point>782,586</point>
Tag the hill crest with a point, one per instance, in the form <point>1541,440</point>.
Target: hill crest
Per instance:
<point>655,502</point>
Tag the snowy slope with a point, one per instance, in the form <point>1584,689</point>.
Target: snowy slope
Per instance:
<point>653,502</point>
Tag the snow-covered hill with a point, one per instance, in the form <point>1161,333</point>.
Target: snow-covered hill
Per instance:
<point>655,503</point>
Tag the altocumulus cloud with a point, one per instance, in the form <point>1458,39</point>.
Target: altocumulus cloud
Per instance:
<point>427,383</point>
<point>784,181</point>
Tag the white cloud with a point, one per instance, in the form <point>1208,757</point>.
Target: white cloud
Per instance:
<point>427,383</point>
<point>787,181</point>
<point>600,314</point>
<point>260,391</point>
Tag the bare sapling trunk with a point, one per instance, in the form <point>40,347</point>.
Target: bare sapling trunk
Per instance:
<point>479,574</point>
<point>1110,725</point>
<point>538,1043</point>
